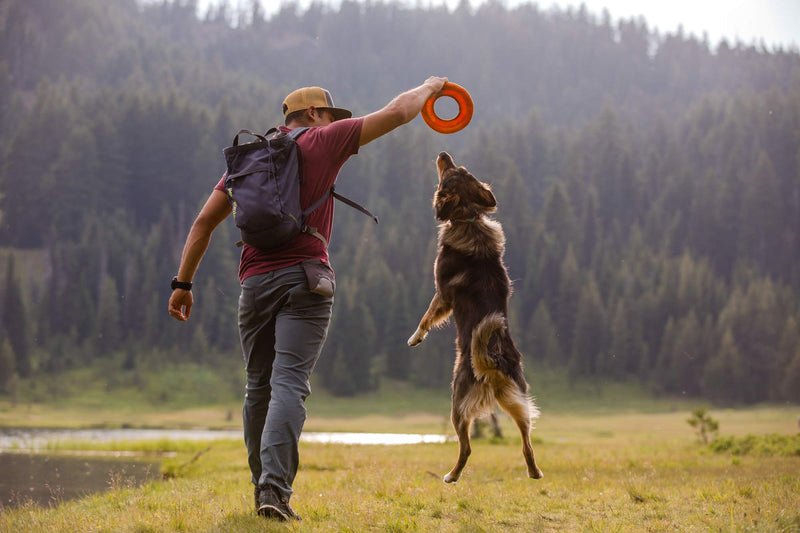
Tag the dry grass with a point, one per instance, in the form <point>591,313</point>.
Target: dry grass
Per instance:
<point>632,472</point>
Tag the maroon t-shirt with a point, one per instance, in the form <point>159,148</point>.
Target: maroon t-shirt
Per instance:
<point>324,150</point>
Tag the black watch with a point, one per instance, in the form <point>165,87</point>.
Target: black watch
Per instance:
<point>185,285</point>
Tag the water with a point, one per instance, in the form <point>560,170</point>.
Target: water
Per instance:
<point>49,479</point>
<point>29,473</point>
<point>40,439</point>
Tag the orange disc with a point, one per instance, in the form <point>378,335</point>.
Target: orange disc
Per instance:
<point>465,108</point>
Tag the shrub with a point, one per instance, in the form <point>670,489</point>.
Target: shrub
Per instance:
<point>760,445</point>
<point>706,426</point>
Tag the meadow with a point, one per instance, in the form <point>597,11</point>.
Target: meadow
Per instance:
<point>618,462</point>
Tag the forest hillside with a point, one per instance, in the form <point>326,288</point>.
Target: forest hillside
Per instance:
<point>648,184</point>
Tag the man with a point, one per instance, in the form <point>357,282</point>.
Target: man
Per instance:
<point>282,325</point>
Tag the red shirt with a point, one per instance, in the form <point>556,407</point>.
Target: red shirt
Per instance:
<point>324,150</point>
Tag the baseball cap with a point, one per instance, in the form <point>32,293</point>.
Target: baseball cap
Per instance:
<point>312,96</point>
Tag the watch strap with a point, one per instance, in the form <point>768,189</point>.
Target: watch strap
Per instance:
<point>185,285</point>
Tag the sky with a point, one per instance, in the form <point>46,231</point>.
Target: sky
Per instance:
<point>776,22</point>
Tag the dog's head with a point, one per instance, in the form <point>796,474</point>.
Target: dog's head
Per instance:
<point>460,196</point>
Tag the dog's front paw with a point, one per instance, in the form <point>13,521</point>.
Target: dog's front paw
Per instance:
<point>417,337</point>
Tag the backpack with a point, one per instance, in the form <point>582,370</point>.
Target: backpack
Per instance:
<point>263,182</point>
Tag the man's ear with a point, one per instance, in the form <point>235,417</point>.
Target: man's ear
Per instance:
<point>311,113</point>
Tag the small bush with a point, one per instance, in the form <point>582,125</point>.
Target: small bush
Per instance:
<point>706,426</point>
<point>760,445</point>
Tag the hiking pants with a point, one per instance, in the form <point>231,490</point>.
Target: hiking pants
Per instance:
<point>282,326</point>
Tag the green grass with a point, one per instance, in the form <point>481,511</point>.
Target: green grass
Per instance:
<point>181,396</point>
<point>604,471</point>
<point>614,458</point>
<point>632,481</point>
<point>761,445</point>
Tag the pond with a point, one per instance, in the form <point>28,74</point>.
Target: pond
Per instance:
<point>40,439</point>
<point>50,479</point>
<point>31,473</point>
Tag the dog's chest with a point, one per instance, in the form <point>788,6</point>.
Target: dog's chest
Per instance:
<point>459,273</point>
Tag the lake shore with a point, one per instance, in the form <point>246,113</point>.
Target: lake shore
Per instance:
<point>628,471</point>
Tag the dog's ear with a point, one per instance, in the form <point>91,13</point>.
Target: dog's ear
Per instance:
<point>486,197</point>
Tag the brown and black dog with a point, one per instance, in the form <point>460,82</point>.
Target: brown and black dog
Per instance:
<point>472,283</point>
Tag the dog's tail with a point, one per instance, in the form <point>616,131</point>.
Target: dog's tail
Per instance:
<point>482,363</point>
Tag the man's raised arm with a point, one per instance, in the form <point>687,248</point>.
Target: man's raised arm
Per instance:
<point>402,109</point>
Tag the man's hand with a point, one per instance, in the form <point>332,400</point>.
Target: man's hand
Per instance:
<point>215,210</point>
<point>180,304</point>
<point>436,84</point>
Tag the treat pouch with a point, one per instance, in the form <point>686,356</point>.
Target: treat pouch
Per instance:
<point>320,277</point>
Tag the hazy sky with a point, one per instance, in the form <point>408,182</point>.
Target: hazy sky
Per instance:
<point>777,22</point>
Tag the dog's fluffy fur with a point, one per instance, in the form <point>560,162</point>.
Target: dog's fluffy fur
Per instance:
<point>472,284</point>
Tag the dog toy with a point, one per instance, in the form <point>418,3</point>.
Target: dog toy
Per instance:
<point>465,108</point>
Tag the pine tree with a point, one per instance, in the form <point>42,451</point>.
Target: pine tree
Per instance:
<point>567,303</point>
<point>761,209</point>
<point>756,320</point>
<point>687,360</point>
<point>340,381</point>
<point>789,385</point>
<point>540,339</point>
<point>621,350</point>
<point>590,332</point>
<point>558,219</point>
<point>724,374</point>
<point>7,363</point>
<point>590,233</point>
<point>14,320</point>
<point>787,370</point>
<point>108,330</point>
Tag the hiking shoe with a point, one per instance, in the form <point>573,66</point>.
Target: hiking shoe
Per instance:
<point>271,505</point>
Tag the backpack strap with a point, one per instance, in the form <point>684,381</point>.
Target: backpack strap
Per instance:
<point>314,233</point>
<point>352,204</point>
<point>311,230</point>
<point>341,198</point>
<point>332,192</point>
<point>295,134</point>
<point>261,138</point>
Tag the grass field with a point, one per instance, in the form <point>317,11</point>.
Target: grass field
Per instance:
<point>618,466</point>
<point>83,399</point>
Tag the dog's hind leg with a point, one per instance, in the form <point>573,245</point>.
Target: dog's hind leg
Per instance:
<point>521,409</point>
<point>438,311</point>
<point>469,400</point>
<point>461,423</point>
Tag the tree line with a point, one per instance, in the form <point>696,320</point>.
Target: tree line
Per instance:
<point>649,187</point>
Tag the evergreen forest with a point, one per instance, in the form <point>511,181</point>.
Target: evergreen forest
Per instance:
<point>648,184</point>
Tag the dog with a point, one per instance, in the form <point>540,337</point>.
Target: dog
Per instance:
<point>472,284</point>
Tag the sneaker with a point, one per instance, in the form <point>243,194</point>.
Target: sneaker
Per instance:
<point>271,505</point>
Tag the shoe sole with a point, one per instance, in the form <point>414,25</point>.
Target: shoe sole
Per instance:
<point>270,511</point>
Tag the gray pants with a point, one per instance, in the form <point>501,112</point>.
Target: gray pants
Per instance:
<point>282,328</point>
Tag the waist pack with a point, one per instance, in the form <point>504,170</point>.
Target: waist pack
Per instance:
<point>263,181</point>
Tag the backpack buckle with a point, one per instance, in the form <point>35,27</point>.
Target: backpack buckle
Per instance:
<point>314,233</point>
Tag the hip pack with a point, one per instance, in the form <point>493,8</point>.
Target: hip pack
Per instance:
<point>263,181</point>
